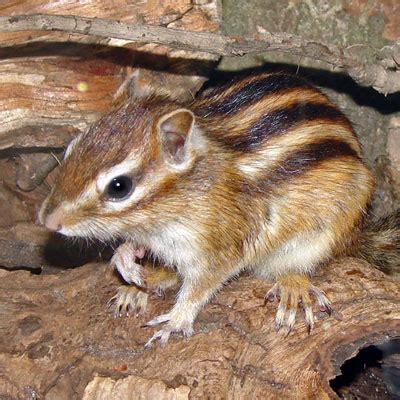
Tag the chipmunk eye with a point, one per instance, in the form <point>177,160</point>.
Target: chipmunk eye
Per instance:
<point>119,188</point>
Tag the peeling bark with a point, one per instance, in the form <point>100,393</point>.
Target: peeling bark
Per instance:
<point>383,79</point>
<point>56,336</point>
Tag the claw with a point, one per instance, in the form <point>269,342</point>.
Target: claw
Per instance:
<point>159,320</point>
<point>128,299</point>
<point>322,300</point>
<point>291,319</point>
<point>309,317</point>
<point>327,309</point>
<point>171,326</point>
<point>162,335</point>
<point>293,291</point>
<point>280,317</point>
<point>272,295</point>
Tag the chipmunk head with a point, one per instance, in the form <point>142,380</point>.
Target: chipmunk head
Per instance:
<point>117,174</point>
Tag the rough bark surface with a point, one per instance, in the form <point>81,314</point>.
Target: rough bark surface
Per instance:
<point>184,14</point>
<point>383,79</point>
<point>56,336</point>
<point>47,86</point>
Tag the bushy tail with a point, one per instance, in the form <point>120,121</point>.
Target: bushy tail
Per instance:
<point>379,243</point>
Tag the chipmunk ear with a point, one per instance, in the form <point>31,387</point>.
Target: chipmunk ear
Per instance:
<point>175,130</point>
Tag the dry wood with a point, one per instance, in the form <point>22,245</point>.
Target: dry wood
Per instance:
<point>46,100</point>
<point>50,91</point>
<point>32,247</point>
<point>56,336</point>
<point>382,76</point>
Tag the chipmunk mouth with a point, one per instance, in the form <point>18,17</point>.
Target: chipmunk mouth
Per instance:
<point>70,229</point>
<point>57,221</point>
<point>81,231</point>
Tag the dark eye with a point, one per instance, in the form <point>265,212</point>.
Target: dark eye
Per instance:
<point>119,188</point>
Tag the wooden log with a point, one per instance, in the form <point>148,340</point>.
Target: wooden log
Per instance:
<point>50,91</point>
<point>32,247</point>
<point>182,14</point>
<point>57,336</point>
<point>46,100</point>
<point>383,76</point>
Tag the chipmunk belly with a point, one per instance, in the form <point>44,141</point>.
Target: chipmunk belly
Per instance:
<point>301,254</point>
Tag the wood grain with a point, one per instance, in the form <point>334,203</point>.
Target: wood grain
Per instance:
<point>378,75</point>
<point>56,336</point>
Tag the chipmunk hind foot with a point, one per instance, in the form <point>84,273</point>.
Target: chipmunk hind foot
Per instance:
<point>292,291</point>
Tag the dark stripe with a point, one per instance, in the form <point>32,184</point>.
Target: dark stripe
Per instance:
<point>280,121</point>
<point>298,162</point>
<point>252,92</point>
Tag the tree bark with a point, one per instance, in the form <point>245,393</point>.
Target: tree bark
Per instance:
<point>57,336</point>
<point>382,76</point>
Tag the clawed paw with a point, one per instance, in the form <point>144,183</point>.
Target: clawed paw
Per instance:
<point>128,300</point>
<point>292,291</point>
<point>171,326</point>
<point>124,260</point>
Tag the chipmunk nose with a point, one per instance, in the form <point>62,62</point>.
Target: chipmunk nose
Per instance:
<point>53,222</point>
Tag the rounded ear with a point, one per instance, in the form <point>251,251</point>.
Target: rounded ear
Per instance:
<point>175,130</point>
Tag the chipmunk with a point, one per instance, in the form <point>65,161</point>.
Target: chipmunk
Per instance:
<point>263,175</point>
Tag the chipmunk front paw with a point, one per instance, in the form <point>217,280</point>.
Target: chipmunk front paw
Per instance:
<point>124,260</point>
<point>172,325</point>
<point>291,291</point>
<point>128,300</point>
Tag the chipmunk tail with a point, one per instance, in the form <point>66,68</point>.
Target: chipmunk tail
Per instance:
<point>379,243</point>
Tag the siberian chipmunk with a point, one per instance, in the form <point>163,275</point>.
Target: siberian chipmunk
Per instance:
<point>263,175</point>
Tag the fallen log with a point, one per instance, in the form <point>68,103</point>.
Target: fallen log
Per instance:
<point>58,340</point>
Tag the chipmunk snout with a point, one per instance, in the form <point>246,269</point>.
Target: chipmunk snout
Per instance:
<point>53,222</point>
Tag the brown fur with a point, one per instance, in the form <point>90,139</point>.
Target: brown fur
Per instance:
<point>270,178</point>
<point>379,243</point>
